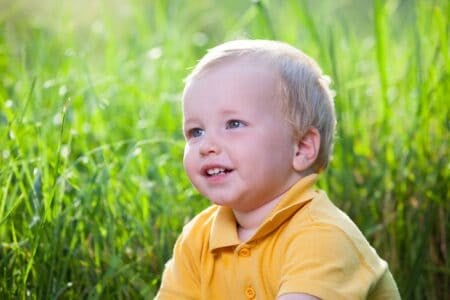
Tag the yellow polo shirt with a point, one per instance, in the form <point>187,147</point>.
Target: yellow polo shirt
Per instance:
<point>306,245</point>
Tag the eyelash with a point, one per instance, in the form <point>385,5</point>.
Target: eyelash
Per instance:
<point>194,132</point>
<point>231,124</point>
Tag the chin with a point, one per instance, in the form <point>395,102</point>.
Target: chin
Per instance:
<point>220,202</point>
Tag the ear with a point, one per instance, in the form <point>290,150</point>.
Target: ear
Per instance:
<point>306,150</point>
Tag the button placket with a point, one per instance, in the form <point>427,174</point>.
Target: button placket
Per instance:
<point>250,292</point>
<point>244,252</point>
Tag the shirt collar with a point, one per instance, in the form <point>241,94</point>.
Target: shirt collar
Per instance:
<point>224,231</point>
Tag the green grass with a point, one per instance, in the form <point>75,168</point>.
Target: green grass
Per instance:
<point>92,190</point>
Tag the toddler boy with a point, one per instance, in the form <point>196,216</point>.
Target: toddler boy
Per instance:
<point>259,120</point>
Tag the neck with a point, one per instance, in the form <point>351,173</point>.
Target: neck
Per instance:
<point>249,221</point>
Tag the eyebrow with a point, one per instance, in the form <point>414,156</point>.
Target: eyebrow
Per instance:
<point>228,111</point>
<point>189,123</point>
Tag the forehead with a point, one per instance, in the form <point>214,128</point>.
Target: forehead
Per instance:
<point>243,77</point>
<point>248,62</point>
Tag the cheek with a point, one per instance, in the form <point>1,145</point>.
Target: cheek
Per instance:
<point>285,148</point>
<point>188,162</point>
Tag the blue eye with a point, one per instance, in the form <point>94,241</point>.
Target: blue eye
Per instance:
<point>195,132</point>
<point>234,124</point>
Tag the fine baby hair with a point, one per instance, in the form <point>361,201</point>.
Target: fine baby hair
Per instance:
<point>304,91</point>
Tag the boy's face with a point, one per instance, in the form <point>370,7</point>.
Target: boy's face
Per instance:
<point>239,148</point>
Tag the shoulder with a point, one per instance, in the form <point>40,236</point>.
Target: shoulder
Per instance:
<point>192,243</point>
<point>330,226</point>
<point>200,225</point>
<point>204,217</point>
<point>321,213</point>
<point>323,244</point>
<point>181,277</point>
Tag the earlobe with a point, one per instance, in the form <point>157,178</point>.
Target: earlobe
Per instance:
<point>306,150</point>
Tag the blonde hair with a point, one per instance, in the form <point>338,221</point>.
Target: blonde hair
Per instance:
<point>307,99</point>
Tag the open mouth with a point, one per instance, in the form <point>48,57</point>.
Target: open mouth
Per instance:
<point>216,171</point>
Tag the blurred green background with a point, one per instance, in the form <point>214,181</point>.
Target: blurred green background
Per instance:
<point>92,190</point>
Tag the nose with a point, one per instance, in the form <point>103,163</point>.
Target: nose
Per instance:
<point>209,146</point>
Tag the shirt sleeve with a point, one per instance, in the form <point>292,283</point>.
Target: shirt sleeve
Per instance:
<point>180,278</point>
<point>323,261</point>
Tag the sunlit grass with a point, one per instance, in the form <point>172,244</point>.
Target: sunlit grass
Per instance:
<point>92,190</point>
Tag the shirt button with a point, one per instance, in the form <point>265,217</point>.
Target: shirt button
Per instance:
<point>250,293</point>
<point>245,252</point>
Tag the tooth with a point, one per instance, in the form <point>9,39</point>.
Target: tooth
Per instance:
<point>215,171</point>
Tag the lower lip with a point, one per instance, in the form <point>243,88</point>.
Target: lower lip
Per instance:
<point>218,178</point>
